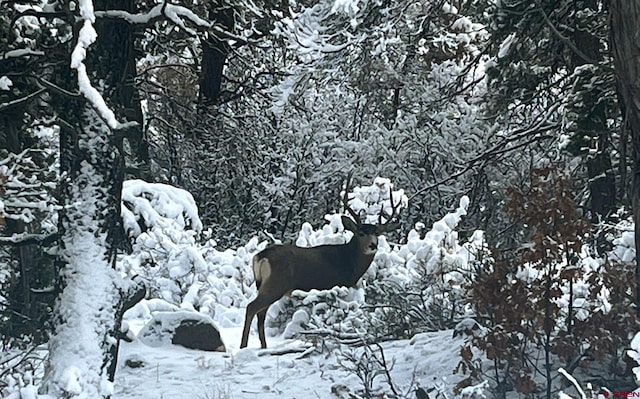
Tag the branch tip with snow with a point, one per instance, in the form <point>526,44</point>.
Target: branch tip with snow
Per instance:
<point>86,37</point>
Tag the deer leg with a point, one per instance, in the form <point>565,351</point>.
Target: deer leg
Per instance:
<point>258,306</point>
<point>248,317</point>
<point>262,315</point>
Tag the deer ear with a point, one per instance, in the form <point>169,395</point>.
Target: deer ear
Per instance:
<point>349,224</point>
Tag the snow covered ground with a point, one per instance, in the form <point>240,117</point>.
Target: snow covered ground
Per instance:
<point>172,371</point>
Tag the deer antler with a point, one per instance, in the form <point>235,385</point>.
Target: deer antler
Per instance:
<point>388,225</point>
<point>345,200</point>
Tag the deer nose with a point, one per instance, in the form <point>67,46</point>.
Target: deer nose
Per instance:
<point>373,246</point>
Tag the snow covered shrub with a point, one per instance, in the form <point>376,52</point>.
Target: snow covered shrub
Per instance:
<point>368,363</point>
<point>162,222</point>
<point>224,290</point>
<point>425,280</point>
<point>552,299</point>
<point>19,369</point>
<point>440,270</point>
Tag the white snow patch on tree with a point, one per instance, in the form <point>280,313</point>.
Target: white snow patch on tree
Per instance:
<point>76,348</point>
<point>86,37</point>
<point>5,83</point>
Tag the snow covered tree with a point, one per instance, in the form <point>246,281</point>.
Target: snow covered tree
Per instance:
<point>29,153</point>
<point>81,364</point>
<point>93,103</point>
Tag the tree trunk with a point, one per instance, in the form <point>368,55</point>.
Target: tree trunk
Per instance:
<point>623,18</point>
<point>214,56</point>
<point>593,125</point>
<point>85,327</point>
<point>83,349</point>
<point>113,58</point>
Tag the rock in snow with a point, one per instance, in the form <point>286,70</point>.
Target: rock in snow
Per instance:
<point>189,329</point>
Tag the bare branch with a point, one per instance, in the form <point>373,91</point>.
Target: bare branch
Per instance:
<point>18,101</point>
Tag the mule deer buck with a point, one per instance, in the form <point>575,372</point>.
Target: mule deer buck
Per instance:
<point>278,270</point>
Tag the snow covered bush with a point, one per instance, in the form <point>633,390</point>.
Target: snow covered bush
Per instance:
<point>224,291</point>
<point>164,225</point>
<point>422,285</point>
<point>162,222</point>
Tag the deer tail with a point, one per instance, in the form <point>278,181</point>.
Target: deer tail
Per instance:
<point>261,270</point>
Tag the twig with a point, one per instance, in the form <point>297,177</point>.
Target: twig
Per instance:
<point>573,381</point>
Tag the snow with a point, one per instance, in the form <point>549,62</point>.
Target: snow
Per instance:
<point>24,197</point>
<point>175,372</point>
<point>86,37</point>
<point>506,45</point>
<point>5,83</point>
<point>634,353</point>
<point>177,15</point>
<point>22,53</point>
<point>349,7</point>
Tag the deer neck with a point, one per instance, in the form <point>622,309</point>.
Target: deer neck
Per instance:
<point>361,261</point>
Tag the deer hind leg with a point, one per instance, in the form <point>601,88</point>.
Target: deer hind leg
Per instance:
<point>259,306</point>
<point>262,315</point>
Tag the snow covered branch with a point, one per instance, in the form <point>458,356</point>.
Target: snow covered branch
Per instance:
<point>29,239</point>
<point>21,100</point>
<point>86,37</point>
<point>573,381</point>
<point>23,194</point>
<point>23,52</point>
<point>176,14</point>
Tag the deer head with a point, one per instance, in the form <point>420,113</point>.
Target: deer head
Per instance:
<point>278,270</point>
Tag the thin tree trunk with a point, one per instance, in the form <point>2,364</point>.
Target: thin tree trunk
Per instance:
<point>214,56</point>
<point>593,125</point>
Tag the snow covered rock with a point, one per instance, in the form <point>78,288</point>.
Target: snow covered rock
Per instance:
<point>189,329</point>
<point>469,327</point>
<point>194,334</point>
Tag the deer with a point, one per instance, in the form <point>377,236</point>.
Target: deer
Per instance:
<point>278,270</point>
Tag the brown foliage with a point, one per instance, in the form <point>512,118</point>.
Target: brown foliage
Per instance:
<point>522,297</point>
